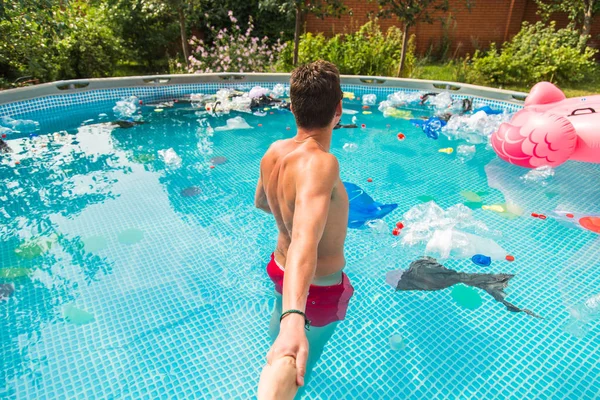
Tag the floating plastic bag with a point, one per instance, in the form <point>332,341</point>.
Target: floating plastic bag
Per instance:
<point>369,99</point>
<point>465,152</point>
<point>126,108</point>
<point>5,131</point>
<point>396,113</point>
<point>378,226</point>
<point>234,123</point>
<point>401,99</point>
<point>475,128</point>
<point>540,175</point>
<point>448,233</point>
<point>18,125</point>
<point>583,315</point>
<point>257,91</point>
<point>279,90</point>
<point>456,244</point>
<point>431,126</point>
<point>363,208</point>
<point>350,147</point>
<point>170,158</point>
<point>441,101</point>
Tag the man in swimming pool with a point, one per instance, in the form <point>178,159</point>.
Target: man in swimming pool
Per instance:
<point>300,185</point>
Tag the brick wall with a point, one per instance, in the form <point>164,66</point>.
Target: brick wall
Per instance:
<point>485,23</point>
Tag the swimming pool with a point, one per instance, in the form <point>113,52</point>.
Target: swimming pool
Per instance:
<point>135,277</point>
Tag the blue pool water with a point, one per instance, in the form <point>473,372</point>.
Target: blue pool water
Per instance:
<point>134,278</point>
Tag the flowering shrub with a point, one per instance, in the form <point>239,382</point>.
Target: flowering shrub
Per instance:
<point>233,51</point>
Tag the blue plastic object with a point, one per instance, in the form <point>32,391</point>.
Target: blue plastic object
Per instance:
<point>488,110</point>
<point>481,260</point>
<point>363,208</point>
<point>431,126</point>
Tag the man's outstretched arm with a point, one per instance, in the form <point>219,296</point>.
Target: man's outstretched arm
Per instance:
<point>314,187</point>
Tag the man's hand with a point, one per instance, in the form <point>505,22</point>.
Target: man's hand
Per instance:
<point>291,342</point>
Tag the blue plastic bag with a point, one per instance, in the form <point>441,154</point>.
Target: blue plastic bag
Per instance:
<point>488,110</point>
<point>363,208</point>
<point>431,126</point>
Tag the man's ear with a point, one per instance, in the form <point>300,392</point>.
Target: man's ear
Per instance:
<point>338,110</point>
<point>292,108</point>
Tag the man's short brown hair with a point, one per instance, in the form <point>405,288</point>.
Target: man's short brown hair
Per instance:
<point>315,92</point>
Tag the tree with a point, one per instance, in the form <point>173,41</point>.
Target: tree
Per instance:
<point>580,12</point>
<point>147,31</point>
<point>320,8</point>
<point>61,40</point>
<point>410,12</point>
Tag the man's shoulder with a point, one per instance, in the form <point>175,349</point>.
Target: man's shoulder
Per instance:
<point>321,165</point>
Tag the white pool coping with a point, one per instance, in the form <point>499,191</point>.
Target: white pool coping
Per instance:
<point>88,85</point>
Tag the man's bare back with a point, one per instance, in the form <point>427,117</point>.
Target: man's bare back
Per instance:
<point>283,169</point>
<point>300,185</point>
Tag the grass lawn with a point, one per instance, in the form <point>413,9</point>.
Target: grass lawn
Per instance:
<point>452,72</point>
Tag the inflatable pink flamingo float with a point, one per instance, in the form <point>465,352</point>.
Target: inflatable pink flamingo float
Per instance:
<point>550,130</point>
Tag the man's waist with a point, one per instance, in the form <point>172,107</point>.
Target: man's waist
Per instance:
<point>329,279</point>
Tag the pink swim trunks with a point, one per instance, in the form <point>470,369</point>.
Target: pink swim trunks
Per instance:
<point>325,304</point>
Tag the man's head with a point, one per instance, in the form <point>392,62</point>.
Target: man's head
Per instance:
<point>316,94</point>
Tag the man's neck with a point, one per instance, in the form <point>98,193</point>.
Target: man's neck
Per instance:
<point>320,135</point>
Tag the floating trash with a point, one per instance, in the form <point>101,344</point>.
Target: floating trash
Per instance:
<point>465,152</point>
<point>94,243</point>
<point>369,99</point>
<point>466,297</point>
<point>584,221</point>
<point>76,316</point>
<point>126,108</point>
<point>481,260</point>
<point>350,147</point>
<point>540,175</point>
<point>131,236</point>
<point>14,272</point>
<point>170,158</point>
<point>144,158</point>
<point>471,196</point>
<point>34,248</point>
<point>378,226</point>
<point>218,160</point>
<point>427,274</point>
<point>234,123</point>
<point>6,290</point>
<point>447,150</point>
<point>397,343</point>
<point>396,113</point>
<point>494,207</point>
<point>191,191</point>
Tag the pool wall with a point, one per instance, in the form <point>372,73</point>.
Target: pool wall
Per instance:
<point>31,101</point>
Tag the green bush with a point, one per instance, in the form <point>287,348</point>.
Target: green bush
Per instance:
<point>91,50</point>
<point>366,52</point>
<point>56,43</point>
<point>537,53</point>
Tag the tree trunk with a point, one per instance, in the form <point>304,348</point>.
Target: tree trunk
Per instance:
<point>297,33</point>
<point>403,55</point>
<point>184,41</point>
<point>586,28</point>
